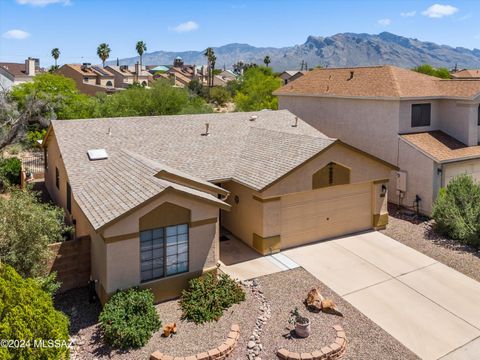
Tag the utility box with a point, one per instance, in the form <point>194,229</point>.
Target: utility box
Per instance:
<point>401,181</point>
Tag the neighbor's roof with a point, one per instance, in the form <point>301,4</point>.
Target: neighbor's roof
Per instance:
<point>17,69</point>
<point>442,147</point>
<point>92,71</point>
<point>378,82</point>
<point>467,74</point>
<point>129,71</point>
<point>254,153</point>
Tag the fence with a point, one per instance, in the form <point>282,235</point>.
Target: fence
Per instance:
<point>71,261</point>
<point>34,164</point>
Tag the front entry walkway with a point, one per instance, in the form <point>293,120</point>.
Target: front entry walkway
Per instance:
<point>430,308</point>
<point>241,262</point>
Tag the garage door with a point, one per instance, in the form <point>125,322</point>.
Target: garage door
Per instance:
<point>464,167</point>
<point>324,213</point>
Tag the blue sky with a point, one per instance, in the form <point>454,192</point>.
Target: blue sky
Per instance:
<point>34,27</point>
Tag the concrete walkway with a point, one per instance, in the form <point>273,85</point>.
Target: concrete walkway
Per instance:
<point>430,308</point>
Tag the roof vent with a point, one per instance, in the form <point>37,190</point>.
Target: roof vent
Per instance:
<point>296,122</point>
<point>253,117</point>
<point>109,131</point>
<point>206,133</point>
<point>351,75</point>
<point>97,154</point>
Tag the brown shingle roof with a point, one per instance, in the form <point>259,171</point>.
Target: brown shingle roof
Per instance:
<point>254,153</point>
<point>17,69</point>
<point>467,74</point>
<point>441,147</point>
<point>91,71</point>
<point>378,82</point>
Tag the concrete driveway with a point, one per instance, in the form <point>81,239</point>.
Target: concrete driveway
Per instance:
<point>430,308</point>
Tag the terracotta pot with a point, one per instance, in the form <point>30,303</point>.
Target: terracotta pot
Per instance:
<point>302,330</point>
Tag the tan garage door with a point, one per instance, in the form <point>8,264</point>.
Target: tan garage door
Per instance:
<point>324,213</point>
<point>471,167</point>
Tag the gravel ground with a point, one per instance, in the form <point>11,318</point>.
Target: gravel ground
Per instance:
<point>418,233</point>
<point>190,338</point>
<point>288,289</point>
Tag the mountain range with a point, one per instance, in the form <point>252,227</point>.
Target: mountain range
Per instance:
<point>340,50</point>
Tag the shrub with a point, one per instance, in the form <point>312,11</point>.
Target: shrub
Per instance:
<point>34,135</point>
<point>27,226</point>
<point>220,95</point>
<point>457,210</point>
<point>208,296</point>
<point>129,318</point>
<point>49,283</point>
<point>27,313</point>
<point>10,170</point>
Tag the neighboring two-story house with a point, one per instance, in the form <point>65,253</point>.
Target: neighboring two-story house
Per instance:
<point>89,79</point>
<point>12,74</point>
<point>428,127</point>
<point>126,75</point>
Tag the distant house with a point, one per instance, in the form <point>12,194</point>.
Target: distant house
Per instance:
<point>89,79</point>
<point>126,75</point>
<point>12,74</point>
<point>466,74</point>
<point>291,75</point>
<point>181,74</point>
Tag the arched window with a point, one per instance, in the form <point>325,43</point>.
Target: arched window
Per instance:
<point>144,83</point>
<point>331,175</point>
<point>109,83</point>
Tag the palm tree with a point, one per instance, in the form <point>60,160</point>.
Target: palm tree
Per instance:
<point>55,54</point>
<point>141,48</point>
<point>267,60</point>
<point>103,52</point>
<point>211,59</point>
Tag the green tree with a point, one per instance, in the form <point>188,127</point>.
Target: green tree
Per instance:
<point>141,48</point>
<point>220,95</point>
<point>28,314</point>
<point>427,69</point>
<point>457,210</point>
<point>255,91</point>
<point>27,226</point>
<point>55,54</point>
<point>103,52</point>
<point>211,60</point>
<point>267,60</point>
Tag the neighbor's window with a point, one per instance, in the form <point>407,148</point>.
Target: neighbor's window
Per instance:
<point>478,115</point>
<point>109,83</point>
<point>163,252</point>
<point>421,114</point>
<point>57,178</point>
<point>69,198</point>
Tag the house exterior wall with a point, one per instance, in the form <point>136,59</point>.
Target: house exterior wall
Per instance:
<point>459,119</point>
<point>370,125</point>
<point>88,88</point>
<point>405,116</point>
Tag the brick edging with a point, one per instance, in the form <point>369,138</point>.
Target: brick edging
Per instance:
<point>219,353</point>
<point>333,351</point>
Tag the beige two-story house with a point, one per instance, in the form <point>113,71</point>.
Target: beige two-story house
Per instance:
<point>154,193</point>
<point>125,75</point>
<point>428,127</point>
<point>89,79</point>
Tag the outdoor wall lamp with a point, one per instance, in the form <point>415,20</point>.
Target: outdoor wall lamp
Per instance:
<point>384,189</point>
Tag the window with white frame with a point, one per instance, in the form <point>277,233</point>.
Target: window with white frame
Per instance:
<point>163,252</point>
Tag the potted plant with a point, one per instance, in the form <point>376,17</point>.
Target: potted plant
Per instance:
<point>302,324</point>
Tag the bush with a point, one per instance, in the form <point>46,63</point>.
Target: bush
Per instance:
<point>27,313</point>
<point>220,95</point>
<point>129,318</point>
<point>208,296</point>
<point>49,283</point>
<point>457,210</point>
<point>27,226</point>
<point>35,135</point>
<point>10,170</point>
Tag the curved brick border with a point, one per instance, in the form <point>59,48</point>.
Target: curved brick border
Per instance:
<point>219,353</point>
<point>333,351</point>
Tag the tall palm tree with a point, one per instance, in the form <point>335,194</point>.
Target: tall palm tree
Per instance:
<point>211,59</point>
<point>103,52</point>
<point>141,48</point>
<point>55,54</point>
<point>267,60</point>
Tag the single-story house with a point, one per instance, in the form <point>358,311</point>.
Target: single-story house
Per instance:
<point>153,193</point>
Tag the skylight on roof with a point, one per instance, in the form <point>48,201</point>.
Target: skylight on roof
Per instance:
<point>97,154</point>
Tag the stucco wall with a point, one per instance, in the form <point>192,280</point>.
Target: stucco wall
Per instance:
<point>421,177</point>
<point>405,116</point>
<point>370,125</point>
<point>459,119</point>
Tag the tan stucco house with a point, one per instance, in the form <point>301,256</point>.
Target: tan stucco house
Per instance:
<point>153,193</point>
<point>90,79</point>
<point>428,127</point>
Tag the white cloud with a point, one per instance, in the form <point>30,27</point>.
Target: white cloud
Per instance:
<point>15,34</point>
<point>439,11</point>
<point>41,3</point>
<point>408,13</point>
<point>185,27</point>
<point>384,22</point>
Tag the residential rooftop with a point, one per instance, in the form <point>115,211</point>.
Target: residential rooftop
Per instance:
<point>254,149</point>
<point>442,147</point>
<point>378,82</point>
